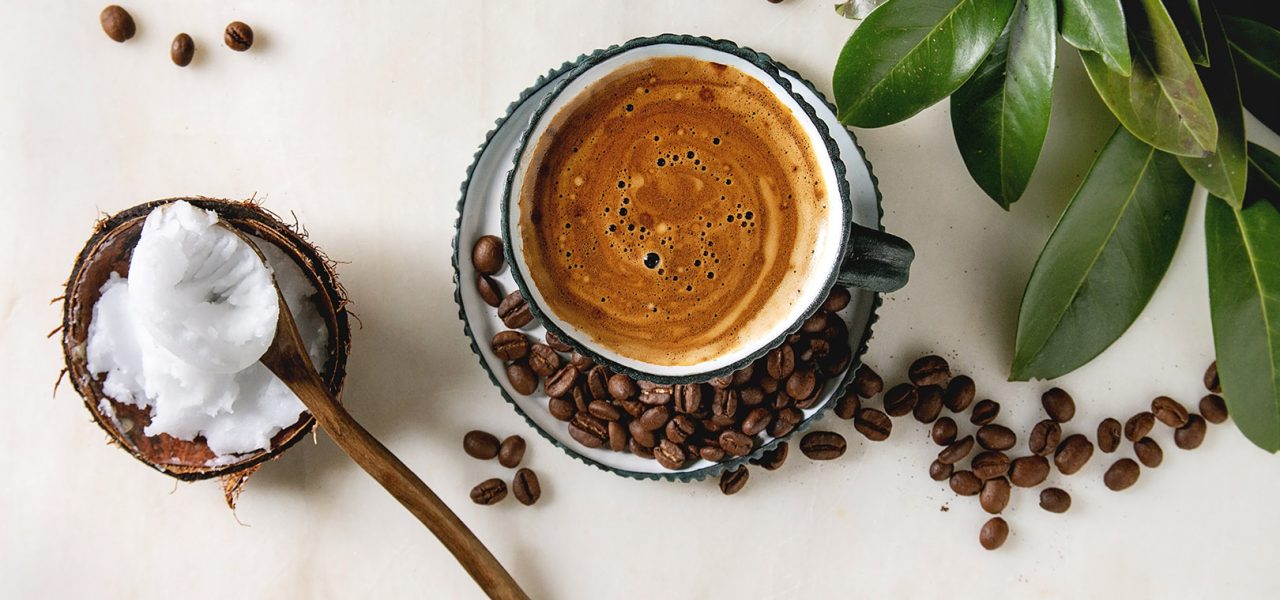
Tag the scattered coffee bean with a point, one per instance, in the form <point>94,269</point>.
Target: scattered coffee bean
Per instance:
<point>960,393</point>
<point>847,406</point>
<point>543,360</point>
<point>581,362</point>
<point>182,50</point>
<point>637,449</point>
<point>598,382</point>
<point>556,343</point>
<point>994,496</point>
<point>486,254</point>
<point>1073,453</point>
<point>1138,426</point>
<point>1121,474</point>
<point>669,455</point>
<point>743,376</point>
<point>786,420</point>
<point>772,459</point>
<point>621,387</point>
<point>757,421</point>
<point>1211,381</point>
<point>725,403</point>
<point>511,452</point>
<point>514,311</point>
<point>990,464</point>
<point>490,290</point>
<point>732,482</point>
<point>801,383</point>
<point>823,445</point>
<point>965,483</point>
<point>993,533</point>
<point>480,444</point>
<point>117,23</point>
<point>867,383</point>
<point>929,405</point>
<point>1214,409</point>
<point>654,418</point>
<point>1029,471</point>
<point>617,436</point>
<point>956,452</point>
<point>588,430</point>
<point>1148,452</point>
<point>939,470</point>
<point>929,370</point>
<point>1190,435</point>
<point>489,491</point>
<point>1055,500</point>
<point>510,345</point>
<point>560,408</point>
<point>736,444</point>
<point>1109,432</point>
<point>1044,437</point>
<point>836,300</point>
<point>944,431</point>
<point>1058,405</point>
<point>523,380</point>
<point>680,428</point>
<point>1169,411</point>
<point>900,399</point>
<point>239,37</point>
<point>561,383</point>
<point>780,362</point>
<point>873,424</point>
<point>996,437</point>
<point>525,487</point>
<point>984,412</point>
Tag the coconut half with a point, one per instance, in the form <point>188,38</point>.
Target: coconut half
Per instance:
<point>108,251</point>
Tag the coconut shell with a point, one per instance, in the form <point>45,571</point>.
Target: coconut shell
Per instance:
<point>109,250</point>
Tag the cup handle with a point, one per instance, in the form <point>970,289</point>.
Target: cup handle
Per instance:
<point>875,260</point>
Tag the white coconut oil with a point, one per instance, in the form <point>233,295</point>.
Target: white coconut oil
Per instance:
<point>182,334</point>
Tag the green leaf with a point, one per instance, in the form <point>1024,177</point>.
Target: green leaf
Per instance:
<point>1001,114</point>
<point>909,54</point>
<point>1186,16</point>
<point>1257,52</point>
<point>1264,176</point>
<point>1162,101</point>
<point>1244,303</point>
<point>857,9</point>
<point>1098,26</point>
<point>1222,172</point>
<point>1262,12</point>
<point>1104,259</point>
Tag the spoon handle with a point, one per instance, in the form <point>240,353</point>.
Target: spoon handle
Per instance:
<point>288,359</point>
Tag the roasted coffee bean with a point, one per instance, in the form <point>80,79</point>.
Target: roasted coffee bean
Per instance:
<point>1058,404</point>
<point>561,383</point>
<point>239,37</point>
<point>603,410</point>
<point>929,404</point>
<point>1109,432</point>
<point>669,455</point>
<point>588,430</point>
<point>182,49</point>
<point>780,362</point>
<point>837,331</point>
<point>117,23</point>
<point>510,345</point>
<point>1169,411</point>
<point>1211,381</point>
<point>511,452</point>
<point>689,399</point>
<point>489,491</point>
<point>725,403</point>
<point>525,487</point>
<point>721,382</point>
<point>815,349</point>
<point>837,361</point>
<point>929,370</point>
<point>561,408</point>
<point>823,445</point>
<point>815,323</point>
<point>522,378</point>
<point>635,448</point>
<point>732,482</point>
<point>1028,471</point>
<point>736,444</point>
<point>598,382</point>
<point>781,400</point>
<point>866,382</point>
<point>1121,475</point>
<point>514,311</point>
<point>944,431</point>
<point>836,300</point>
<point>1055,500</point>
<point>556,343</point>
<point>543,360</point>
<point>751,396</point>
<point>901,399</point>
<point>617,436</point>
<point>1138,426</point>
<point>993,533</point>
<point>1148,452</point>
<point>632,407</point>
<point>1214,409</point>
<point>940,470</point>
<point>743,376</point>
<point>959,394</point>
<point>581,362</point>
<point>581,398</point>
<point>985,411</point>
<point>994,496</point>
<point>489,290</point>
<point>480,444</point>
<point>1044,438</point>
<point>785,421</point>
<point>680,428</point>
<point>486,254</point>
<point>1191,435</point>
<point>768,384</point>
<point>801,383</point>
<point>621,387</point>
<point>757,421</point>
<point>965,483</point>
<point>655,418</point>
<point>956,452</point>
<point>990,464</point>
<point>812,399</point>
<point>654,394</point>
<point>996,437</point>
<point>711,453</point>
<point>773,458</point>
<point>1073,453</point>
<point>873,424</point>
<point>642,436</point>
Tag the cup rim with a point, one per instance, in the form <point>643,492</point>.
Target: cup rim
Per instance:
<point>824,140</point>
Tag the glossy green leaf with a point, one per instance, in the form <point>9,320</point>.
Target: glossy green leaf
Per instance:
<point>1098,26</point>
<point>1264,176</point>
<point>1162,101</point>
<point>857,9</point>
<point>1001,114</point>
<point>1104,259</point>
<point>909,54</point>
<point>1187,18</point>
<point>1244,303</point>
<point>1222,172</point>
<point>1257,52</point>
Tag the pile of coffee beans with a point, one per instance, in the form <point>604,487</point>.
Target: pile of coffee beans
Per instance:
<point>525,486</point>
<point>118,24</point>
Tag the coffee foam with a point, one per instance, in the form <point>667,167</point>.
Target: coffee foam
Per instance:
<point>671,211</point>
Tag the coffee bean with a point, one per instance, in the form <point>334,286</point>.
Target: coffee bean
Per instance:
<point>836,300</point>
<point>239,37</point>
<point>757,421</point>
<point>581,362</point>
<point>768,384</point>
<point>732,482</point>
<point>526,488</point>
<point>510,345</point>
<point>848,405</point>
<point>621,387</point>
<point>985,411</point>
<point>632,407</point>
<point>929,370</point>
<point>956,452</point>
<point>780,362</point>
<point>680,428</point>
<point>1138,426</point>
<point>725,403</point>
<point>1213,408</point>
<point>751,396</point>
<point>588,430</point>
<point>1058,405</point>
<point>1073,453</point>
<point>598,382</point>
<point>929,404</point>
<point>743,376</point>
<point>711,453</point>
<point>689,399</point>
<point>801,383</point>
<point>993,533</point>
<point>486,254</point>
<point>990,464</point>
<point>581,398</point>
<point>1109,432</point>
<point>1055,500</point>
<point>996,437</point>
<point>1121,475</point>
<point>823,445</point>
<point>617,436</point>
<point>1028,471</point>
<point>556,343</point>
<point>117,23</point>
<point>669,455</point>
<point>1169,411</point>
<point>1191,435</point>
<point>489,491</point>
<point>480,444</point>
<point>772,459</point>
<point>959,394</point>
<point>522,378</point>
<point>873,424</point>
<point>866,382</point>
<point>1211,381</point>
<point>514,311</point>
<point>654,394</point>
<point>561,409</point>
<point>1148,452</point>
<point>511,452</point>
<point>815,323</point>
<point>736,444</point>
<point>781,400</point>
<point>944,431</point>
<point>640,435</point>
<point>965,483</point>
<point>812,399</point>
<point>182,49</point>
<point>489,290</point>
<point>785,421</point>
<point>837,361</point>
<point>1044,437</point>
<point>603,410</point>
<point>543,360</point>
<point>940,470</point>
<point>901,399</point>
<point>635,448</point>
<point>561,383</point>
<point>994,496</point>
<point>655,418</point>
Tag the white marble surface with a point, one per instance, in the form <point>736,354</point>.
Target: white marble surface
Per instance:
<point>360,117</point>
